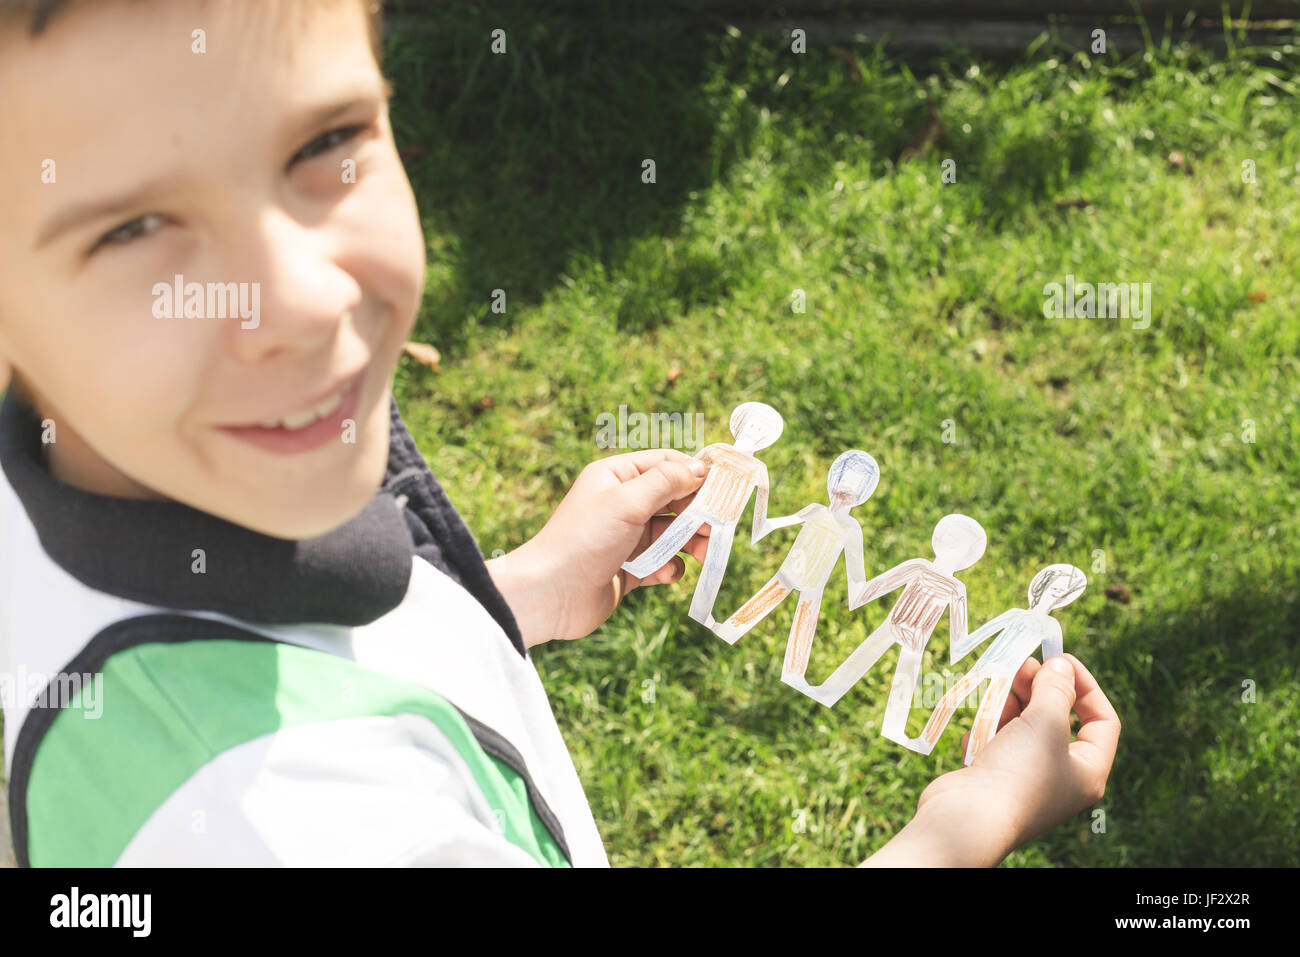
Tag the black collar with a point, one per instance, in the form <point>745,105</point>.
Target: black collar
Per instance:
<point>144,550</point>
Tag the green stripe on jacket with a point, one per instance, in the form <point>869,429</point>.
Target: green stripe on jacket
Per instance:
<point>168,708</point>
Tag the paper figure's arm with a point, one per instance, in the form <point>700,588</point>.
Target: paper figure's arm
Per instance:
<point>1053,643</point>
<point>957,619</point>
<point>854,561</point>
<point>885,582</point>
<point>760,505</point>
<point>798,518</point>
<point>959,648</point>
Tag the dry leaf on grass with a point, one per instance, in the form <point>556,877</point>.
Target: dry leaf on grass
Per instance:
<point>1178,161</point>
<point>423,354</point>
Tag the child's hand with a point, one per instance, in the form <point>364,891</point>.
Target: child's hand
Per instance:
<point>567,580</point>
<point>1028,779</point>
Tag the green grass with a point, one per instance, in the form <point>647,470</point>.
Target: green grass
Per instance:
<point>1075,437</point>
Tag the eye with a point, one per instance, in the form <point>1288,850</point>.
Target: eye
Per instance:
<point>326,142</point>
<point>129,231</point>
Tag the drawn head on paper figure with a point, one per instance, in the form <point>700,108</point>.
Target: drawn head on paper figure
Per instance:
<point>958,542</point>
<point>852,478</point>
<point>1056,586</point>
<point>755,425</point>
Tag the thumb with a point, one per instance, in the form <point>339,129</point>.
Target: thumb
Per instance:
<point>1051,696</point>
<point>652,490</point>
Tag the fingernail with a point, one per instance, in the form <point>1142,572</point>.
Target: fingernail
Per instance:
<point>1060,665</point>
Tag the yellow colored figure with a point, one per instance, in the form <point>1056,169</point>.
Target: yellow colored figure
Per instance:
<point>826,533</point>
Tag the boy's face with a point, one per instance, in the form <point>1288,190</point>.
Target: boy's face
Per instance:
<point>266,162</point>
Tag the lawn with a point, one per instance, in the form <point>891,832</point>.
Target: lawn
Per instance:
<point>1161,460</point>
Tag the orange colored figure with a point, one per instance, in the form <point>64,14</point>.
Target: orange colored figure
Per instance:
<point>734,473</point>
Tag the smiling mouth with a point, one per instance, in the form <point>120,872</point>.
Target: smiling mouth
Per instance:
<point>308,428</point>
<point>300,420</point>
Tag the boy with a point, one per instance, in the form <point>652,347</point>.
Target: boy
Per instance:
<point>217,539</point>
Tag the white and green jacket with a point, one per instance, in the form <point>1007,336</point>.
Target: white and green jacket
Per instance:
<point>361,698</point>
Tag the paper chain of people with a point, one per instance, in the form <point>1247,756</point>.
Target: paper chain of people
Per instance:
<point>929,587</point>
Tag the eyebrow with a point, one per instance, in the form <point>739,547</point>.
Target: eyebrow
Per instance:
<point>91,210</point>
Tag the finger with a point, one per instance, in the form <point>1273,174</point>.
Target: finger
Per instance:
<point>658,524</point>
<point>1099,729</point>
<point>1024,680</point>
<point>656,527</point>
<point>1052,695</point>
<point>647,494</point>
<point>1010,711</point>
<point>629,465</point>
<point>698,546</point>
<point>671,571</point>
<point>678,505</point>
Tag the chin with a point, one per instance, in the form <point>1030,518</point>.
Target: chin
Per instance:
<point>308,516</point>
<point>300,513</point>
<point>316,523</point>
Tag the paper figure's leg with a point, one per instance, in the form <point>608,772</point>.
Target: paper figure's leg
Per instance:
<point>715,566</point>
<point>986,719</point>
<point>753,611</point>
<point>802,631</point>
<point>663,548</point>
<point>851,669</point>
<point>942,713</point>
<point>894,726</point>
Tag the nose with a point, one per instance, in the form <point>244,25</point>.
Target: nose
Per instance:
<point>298,292</point>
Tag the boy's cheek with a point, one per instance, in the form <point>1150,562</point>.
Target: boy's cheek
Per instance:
<point>383,226</point>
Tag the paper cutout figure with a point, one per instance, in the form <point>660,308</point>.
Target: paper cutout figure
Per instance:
<point>1020,631</point>
<point>826,533</point>
<point>734,473</point>
<point>929,588</point>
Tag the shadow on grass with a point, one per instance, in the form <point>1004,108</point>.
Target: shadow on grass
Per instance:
<point>525,162</point>
<point>1203,777</point>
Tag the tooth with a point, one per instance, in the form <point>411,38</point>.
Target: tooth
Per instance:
<point>298,420</point>
<point>328,406</point>
<point>307,416</point>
